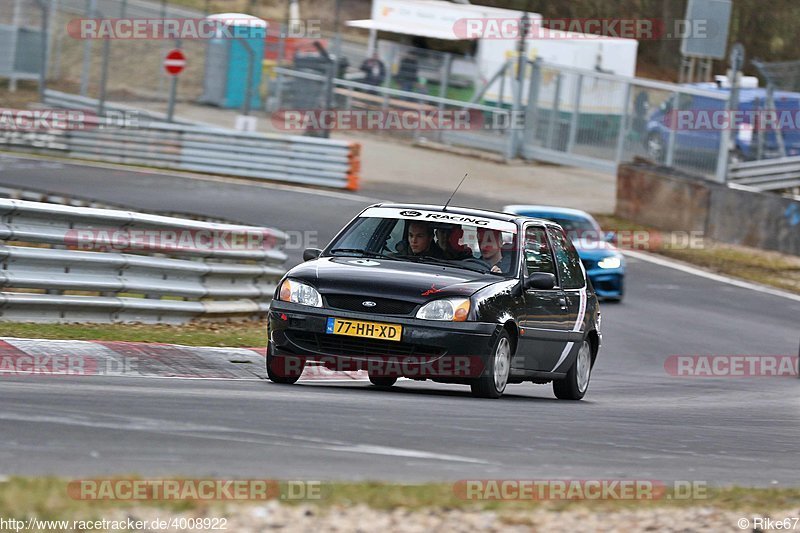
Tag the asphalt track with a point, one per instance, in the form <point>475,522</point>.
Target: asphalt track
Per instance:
<point>637,421</point>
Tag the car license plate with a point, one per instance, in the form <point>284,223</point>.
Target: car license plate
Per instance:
<point>370,330</point>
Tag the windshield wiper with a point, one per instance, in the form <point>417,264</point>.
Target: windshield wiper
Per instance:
<point>360,251</point>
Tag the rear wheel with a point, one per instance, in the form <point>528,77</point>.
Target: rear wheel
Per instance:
<point>283,369</point>
<point>495,376</point>
<point>573,387</point>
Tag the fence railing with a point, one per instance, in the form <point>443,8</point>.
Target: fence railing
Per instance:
<point>768,174</point>
<point>488,128</point>
<point>119,266</point>
<point>560,114</point>
<point>198,148</point>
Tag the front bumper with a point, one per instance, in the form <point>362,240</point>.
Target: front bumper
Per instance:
<point>427,349</point>
<point>607,283</point>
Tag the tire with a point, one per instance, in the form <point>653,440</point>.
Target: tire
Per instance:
<point>574,386</point>
<point>381,381</point>
<point>283,370</point>
<point>495,376</point>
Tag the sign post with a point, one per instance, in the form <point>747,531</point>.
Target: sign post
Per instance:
<point>174,63</point>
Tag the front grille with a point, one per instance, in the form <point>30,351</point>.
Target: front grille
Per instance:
<point>355,346</point>
<point>384,306</point>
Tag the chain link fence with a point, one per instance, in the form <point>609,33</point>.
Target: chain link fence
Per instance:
<point>559,114</point>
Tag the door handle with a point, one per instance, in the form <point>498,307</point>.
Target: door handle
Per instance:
<point>562,302</point>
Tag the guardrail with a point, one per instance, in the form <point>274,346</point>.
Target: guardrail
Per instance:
<point>767,174</point>
<point>197,148</point>
<point>120,266</point>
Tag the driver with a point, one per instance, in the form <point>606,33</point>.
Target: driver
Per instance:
<point>420,240</point>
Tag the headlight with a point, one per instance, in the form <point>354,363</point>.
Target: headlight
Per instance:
<point>299,293</point>
<point>453,310</point>
<point>610,262</point>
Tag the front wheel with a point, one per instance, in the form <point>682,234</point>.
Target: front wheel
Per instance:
<point>495,376</point>
<point>382,381</point>
<point>283,370</point>
<point>573,387</point>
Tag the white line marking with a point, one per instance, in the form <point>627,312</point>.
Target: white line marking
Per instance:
<point>710,275</point>
<point>132,376</point>
<point>402,452</point>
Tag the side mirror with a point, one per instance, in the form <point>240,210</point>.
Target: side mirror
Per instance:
<point>311,253</point>
<point>542,281</point>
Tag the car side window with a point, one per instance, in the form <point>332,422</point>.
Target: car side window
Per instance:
<point>537,252</point>
<point>567,260</point>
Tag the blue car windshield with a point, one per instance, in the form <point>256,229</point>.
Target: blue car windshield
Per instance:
<point>577,228</point>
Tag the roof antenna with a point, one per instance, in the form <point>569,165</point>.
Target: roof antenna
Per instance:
<point>455,191</point>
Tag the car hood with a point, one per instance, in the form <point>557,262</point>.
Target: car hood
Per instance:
<point>403,280</point>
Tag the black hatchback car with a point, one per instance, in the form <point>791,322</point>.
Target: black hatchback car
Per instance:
<point>451,294</point>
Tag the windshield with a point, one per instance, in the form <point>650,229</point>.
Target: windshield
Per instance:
<point>578,228</point>
<point>466,246</point>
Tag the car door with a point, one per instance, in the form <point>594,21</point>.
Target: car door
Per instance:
<point>572,278</point>
<point>545,321</point>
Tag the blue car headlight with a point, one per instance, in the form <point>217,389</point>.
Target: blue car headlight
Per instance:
<point>610,262</point>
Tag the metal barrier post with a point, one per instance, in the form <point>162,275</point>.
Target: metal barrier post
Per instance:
<point>448,61</point>
<point>101,102</point>
<point>576,108</point>
<point>670,157</point>
<point>502,85</point>
<point>248,92</point>
<point>46,12</point>
<point>91,5</point>
<point>532,109</point>
<point>385,104</point>
<point>623,124</point>
<point>554,111</point>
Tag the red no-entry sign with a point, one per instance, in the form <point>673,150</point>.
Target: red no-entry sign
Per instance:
<point>174,62</point>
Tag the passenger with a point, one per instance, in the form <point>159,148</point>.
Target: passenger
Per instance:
<point>420,241</point>
<point>490,242</point>
<point>448,239</point>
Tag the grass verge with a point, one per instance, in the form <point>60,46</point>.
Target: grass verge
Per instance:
<point>250,334</point>
<point>48,498</point>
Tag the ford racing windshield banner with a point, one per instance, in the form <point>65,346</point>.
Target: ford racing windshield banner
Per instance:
<point>439,216</point>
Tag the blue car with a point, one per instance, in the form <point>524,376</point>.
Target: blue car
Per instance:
<point>703,139</point>
<point>604,264</point>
